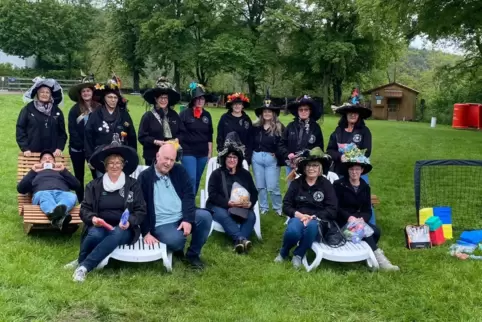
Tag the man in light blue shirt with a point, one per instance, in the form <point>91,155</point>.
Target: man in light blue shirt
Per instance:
<point>171,211</point>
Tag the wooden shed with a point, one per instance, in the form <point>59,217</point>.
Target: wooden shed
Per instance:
<point>393,101</point>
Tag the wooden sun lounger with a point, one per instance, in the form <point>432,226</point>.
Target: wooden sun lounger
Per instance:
<point>33,217</point>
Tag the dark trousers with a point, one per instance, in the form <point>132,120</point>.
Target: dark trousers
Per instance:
<point>78,163</point>
<point>372,241</point>
<point>149,161</point>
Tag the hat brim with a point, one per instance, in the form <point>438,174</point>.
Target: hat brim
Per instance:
<point>362,111</point>
<point>152,94</point>
<point>131,159</point>
<point>229,105</point>
<point>365,166</point>
<point>56,95</point>
<point>74,91</point>
<point>316,110</point>
<point>258,111</point>
<point>207,97</point>
<point>325,161</point>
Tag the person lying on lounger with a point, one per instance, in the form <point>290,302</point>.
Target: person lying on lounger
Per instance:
<point>50,184</point>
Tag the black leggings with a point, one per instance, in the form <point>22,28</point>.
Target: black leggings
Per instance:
<point>78,163</point>
<point>149,162</point>
<point>372,241</point>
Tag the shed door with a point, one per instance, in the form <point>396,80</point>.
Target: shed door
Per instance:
<point>393,108</point>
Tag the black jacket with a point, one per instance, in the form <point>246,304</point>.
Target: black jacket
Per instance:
<point>265,142</point>
<point>133,200</point>
<point>351,203</point>
<point>362,137</point>
<point>218,198</point>
<point>291,142</point>
<point>96,134</point>
<point>319,199</point>
<point>196,133</point>
<point>48,179</point>
<point>150,129</point>
<point>241,125</point>
<point>182,184</point>
<point>37,132</point>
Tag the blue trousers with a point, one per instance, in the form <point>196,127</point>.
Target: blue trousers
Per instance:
<point>236,230</point>
<point>195,168</point>
<point>49,199</point>
<point>175,239</point>
<point>99,243</point>
<point>295,233</point>
<point>266,174</point>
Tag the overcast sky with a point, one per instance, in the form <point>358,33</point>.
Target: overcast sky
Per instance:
<point>422,43</point>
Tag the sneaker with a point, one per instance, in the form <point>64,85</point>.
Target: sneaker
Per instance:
<point>63,223</point>
<point>247,245</point>
<point>239,246</point>
<point>264,212</point>
<point>72,265</point>
<point>296,261</point>
<point>195,262</point>
<point>279,213</point>
<point>80,274</point>
<point>59,212</point>
<point>383,261</point>
<point>279,259</point>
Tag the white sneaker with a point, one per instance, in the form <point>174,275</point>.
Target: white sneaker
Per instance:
<point>279,259</point>
<point>279,213</point>
<point>72,265</point>
<point>296,261</point>
<point>80,274</point>
<point>383,261</point>
<point>264,212</point>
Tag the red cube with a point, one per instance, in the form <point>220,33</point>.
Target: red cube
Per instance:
<point>437,236</point>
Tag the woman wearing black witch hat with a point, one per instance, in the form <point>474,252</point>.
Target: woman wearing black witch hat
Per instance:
<point>161,123</point>
<point>236,120</point>
<point>197,135</point>
<point>303,133</point>
<point>82,95</point>
<point>112,118</point>
<point>351,129</point>
<point>41,124</point>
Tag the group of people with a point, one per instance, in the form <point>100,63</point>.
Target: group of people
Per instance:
<point>161,202</point>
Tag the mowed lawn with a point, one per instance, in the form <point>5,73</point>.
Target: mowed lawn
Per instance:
<point>431,285</point>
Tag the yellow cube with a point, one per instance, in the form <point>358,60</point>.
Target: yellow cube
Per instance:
<point>447,231</point>
<point>424,214</point>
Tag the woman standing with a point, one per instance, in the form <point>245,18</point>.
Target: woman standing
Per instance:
<point>236,120</point>
<point>303,133</point>
<point>161,123</point>
<point>351,129</point>
<point>197,135</point>
<point>110,119</point>
<point>41,124</point>
<point>79,114</point>
<point>267,131</point>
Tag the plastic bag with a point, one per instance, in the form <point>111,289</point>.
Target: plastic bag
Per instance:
<point>356,230</point>
<point>239,194</point>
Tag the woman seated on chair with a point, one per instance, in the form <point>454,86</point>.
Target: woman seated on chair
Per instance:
<point>309,197</point>
<point>106,199</point>
<point>236,217</point>
<point>354,202</point>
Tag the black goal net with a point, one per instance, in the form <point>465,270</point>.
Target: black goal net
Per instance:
<point>451,183</point>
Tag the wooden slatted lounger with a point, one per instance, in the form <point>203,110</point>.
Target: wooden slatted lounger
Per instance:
<point>33,217</point>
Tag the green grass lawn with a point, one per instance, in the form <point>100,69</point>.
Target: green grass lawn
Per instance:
<point>431,285</point>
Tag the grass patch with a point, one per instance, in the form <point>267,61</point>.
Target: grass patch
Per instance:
<point>431,285</point>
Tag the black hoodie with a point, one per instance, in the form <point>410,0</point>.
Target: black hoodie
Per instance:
<point>295,138</point>
<point>350,203</point>
<point>241,125</point>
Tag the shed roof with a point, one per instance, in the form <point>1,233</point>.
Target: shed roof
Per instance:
<point>390,84</point>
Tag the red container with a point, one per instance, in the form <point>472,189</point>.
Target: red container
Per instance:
<point>474,116</point>
<point>459,120</point>
<point>437,236</point>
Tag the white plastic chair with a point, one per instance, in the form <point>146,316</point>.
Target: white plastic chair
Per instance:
<point>140,252</point>
<point>213,165</point>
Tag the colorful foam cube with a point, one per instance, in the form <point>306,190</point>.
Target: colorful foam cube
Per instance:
<point>447,229</point>
<point>433,223</point>
<point>444,213</point>
<point>424,214</point>
<point>437,236</point>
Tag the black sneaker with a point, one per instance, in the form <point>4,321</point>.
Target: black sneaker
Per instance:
<point>195,262</point>
<point>239,246</point>
<point>59,212</point>
<point>247,245</point>
<point>63,223</point>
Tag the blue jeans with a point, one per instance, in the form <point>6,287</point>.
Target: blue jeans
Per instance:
<point>175,239</point>
<point>297,232</point>
<point>236,230</point>
<point>195,168</point>
<point>49,199</point>
<point>266,174</point>
<point>99,243</point>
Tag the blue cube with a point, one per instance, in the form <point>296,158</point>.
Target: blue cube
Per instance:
<point>444,213</point>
